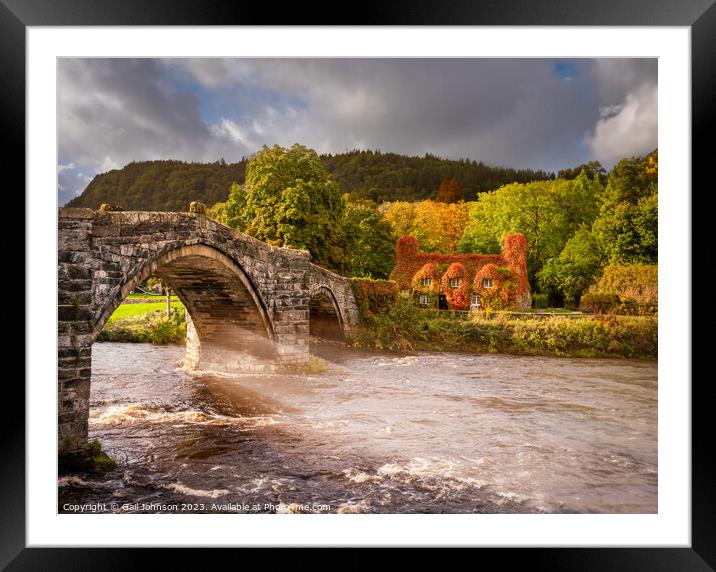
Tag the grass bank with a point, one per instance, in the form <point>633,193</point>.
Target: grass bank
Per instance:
<point>129,310</point>
<point>145,323</point>
<point>405,327</point>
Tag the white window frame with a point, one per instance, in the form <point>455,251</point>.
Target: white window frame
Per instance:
<point>487,283</point>
<point>475,301</point>
<point>455,282</point>
<point>424,300</point>
<point>425,282</point>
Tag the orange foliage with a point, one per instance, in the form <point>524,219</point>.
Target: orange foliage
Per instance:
<point>503,292</point>
<point>373,296</point>
<point>450,192</point>
<point>438,226</point>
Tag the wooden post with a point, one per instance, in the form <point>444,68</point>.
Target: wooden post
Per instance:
<point>169,302</point>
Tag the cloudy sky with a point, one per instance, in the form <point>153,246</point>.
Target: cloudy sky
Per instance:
<point>536,113</point>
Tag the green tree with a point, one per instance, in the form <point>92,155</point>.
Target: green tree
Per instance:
<point>370,246</point>
<point>231,213</point>
<point>570,274</point>
<point>289,200</point>
<point>548,213</point>
<point>627,225</point>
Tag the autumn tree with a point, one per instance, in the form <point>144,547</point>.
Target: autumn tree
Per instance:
<point>450,191</point>
<point>437,226</point>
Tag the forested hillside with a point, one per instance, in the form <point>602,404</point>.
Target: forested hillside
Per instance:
<point>392,177</point>
<point>172,185</point>
<point>161,185</point>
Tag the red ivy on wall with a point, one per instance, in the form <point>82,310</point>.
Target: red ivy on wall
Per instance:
<point>502,293</point>
<point>429,271</point>
<point>511,287</point>
<point>457,298</point>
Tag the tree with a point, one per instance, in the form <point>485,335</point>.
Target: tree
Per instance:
<point>547,213</point>
<point>570,274</point>
<point>437,226</point>
<point>370,246</point>
<point>450,191</point>
<point>232,212</point>
<point>289,200</point>
<point>591,169</point>
<point>627,225</point>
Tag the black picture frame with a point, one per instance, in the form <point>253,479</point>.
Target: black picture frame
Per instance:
<point>699,15</point>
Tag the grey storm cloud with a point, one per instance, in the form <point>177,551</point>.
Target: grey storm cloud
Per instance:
<point>509,112</point>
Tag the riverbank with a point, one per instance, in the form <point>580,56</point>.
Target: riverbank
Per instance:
<point>405,327</point>
<point>146,323</point>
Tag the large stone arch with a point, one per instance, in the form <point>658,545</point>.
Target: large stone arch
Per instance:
<point>228,324</point>
<point>199,256</point>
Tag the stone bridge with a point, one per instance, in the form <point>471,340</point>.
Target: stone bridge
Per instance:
<point>250,305</point>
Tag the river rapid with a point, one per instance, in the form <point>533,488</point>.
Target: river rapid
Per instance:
<point>385,433</point>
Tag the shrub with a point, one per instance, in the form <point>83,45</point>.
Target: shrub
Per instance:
<point>153,327</point>
<point>600,302</point>
<point>373,296</point>
<point>405,327</point>
<point>636,286</point>
<point>540,301</point>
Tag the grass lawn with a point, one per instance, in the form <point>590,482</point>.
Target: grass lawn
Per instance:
<point>545,311</point>
<point>129,310</point>
<point>149,295</point>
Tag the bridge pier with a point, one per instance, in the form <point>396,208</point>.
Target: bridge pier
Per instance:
<point>254,353</point>
<point>76,282</point>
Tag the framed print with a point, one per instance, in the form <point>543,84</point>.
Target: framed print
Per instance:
<point>383,283</point>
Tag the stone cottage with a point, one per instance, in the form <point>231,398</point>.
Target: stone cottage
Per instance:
<point>465,281</point>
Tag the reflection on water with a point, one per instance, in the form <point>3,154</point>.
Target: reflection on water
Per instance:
<point>432,432</point>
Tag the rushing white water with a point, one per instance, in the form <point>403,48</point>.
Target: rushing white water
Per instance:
<point>431,432</point>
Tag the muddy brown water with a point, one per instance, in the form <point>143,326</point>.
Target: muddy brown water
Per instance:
<point>422,433</point>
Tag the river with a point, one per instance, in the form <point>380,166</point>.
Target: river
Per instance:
<point>422,433</point>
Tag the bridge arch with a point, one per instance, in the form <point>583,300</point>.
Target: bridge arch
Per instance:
<point>223,282</point>
<point>325,319</point>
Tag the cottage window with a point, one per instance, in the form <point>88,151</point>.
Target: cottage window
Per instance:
<point>487,282</point>
<point>423,299</point>
<point>475,303</point>
<point>454,282</point>
<point>425,282</point>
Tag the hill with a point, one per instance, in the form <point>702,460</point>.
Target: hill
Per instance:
<point>392,177</point>
<point>172,185</point>
<point>161,185</point>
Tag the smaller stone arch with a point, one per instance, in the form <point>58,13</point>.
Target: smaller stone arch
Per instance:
<point>325,319</point>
